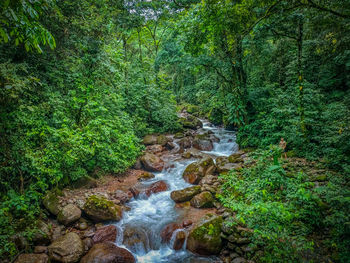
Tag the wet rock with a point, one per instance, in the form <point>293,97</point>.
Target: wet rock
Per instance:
<point>69,214</point>
<point>156,187</point>
<point>187,223</point>
<point>42,234</point>
<point>170,145</point>
<point>51,202</point>
<point>180,237</point>
<point>179,135</point>
<point>168,231</point>
<point>135,192</point>
<point>202,200</point>
<point>135,237</point>
<point>122,196</point>
<point>204,238</point>
<point>152,162</point>
<point>105,233</point>
<point>68,248</point>
<point>185,142</point>
<point>145,176</point>
<point>185,194</point>
<point>83,226</point>
<point>202,142</point>
<point>100,209</point>
<point>197,170</point>
<point>107,253</point>
<point>137,165</point>
<point>32,258</point>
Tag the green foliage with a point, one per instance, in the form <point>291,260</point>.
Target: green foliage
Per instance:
<point>283,208</point>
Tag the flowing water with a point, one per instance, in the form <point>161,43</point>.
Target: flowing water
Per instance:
<point>149,215</point>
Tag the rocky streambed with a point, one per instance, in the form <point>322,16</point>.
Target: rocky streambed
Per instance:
<point>165,209</point>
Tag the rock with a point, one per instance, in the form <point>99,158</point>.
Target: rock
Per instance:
<point>42,234</point>
<point>197,170</point>
<point>235,158</point>
<point>179,240</point>
<point>32,258</point>
<point>100,209</point>
<point>202,142</point>
<point>105,233</point>
<point>150,139</point>
<point>223,164</point>
<point>202,200</point>
<point>88,243</point>
<point>156,187</point>
<point>69,214</point>
<point>68,248</point>
<point>168,231</point>
<point>40,249</point>
<point>153,139</point>
<point>154,148</point>
<point>135,237</point>
<point>83,226</point>
<point>152,162</point>
<point>145,176</point>
<point>239,260</point>
<point>107,253</point>
<point>186,142</point>
<point>84,182</point>
<point>187,223</point>
<point>185,194</point>
<point>137,165</point>
<point>204,238</point>
<point>135,192</point>
<point>122,196</point>
<point>170,145</point>
<point>179,135</point>
<point>191,122</point>
<point>52,203</point>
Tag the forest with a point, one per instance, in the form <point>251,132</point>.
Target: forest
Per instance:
<point>84,83</point>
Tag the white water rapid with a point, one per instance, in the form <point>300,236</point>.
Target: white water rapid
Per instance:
<point>149,215</point>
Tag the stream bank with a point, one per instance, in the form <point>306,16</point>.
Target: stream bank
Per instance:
<point>163,210</point>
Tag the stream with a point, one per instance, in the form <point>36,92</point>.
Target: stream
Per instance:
<point>149,215</point>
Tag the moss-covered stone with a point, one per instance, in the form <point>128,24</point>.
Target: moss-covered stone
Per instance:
<point>100,209</point>
<point>204,238</point>
<point>185,194</point>
<point>202,200</point>
<point>235,158</point>
<point>195,171</point>
<point>51,201</point>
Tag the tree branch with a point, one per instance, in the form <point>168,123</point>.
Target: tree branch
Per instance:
<point>312,4</point>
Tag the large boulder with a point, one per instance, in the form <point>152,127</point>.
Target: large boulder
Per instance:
<point>105,233</point>
<point>204,238</point>
<point>203,142</point>
<point>197,170</point>
<point>69,214</point>
<point>152,162</point>
<point>156,187</point>
<point>185,194</point>
<point>145,176</point>
<point>32,258</point>
<point>68,248</point>
<point>202,200</point>
<point>100,209</point>
<point>51,202</point>
<point>107,253</point>
<point>191,122</point>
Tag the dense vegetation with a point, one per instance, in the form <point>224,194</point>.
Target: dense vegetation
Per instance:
<point>82,81</point>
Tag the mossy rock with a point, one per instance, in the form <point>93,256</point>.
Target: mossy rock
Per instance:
<point>179,135</point>
<point>99,209</point>
<point>185,194</point>
<point>162,140</point>
<point>51,201</point>
<point>204,238</point>
<point>84,182</point>
<point>195,171</point>
<point>235,158</point>
<point>202,200</point>
<point>319,178</point>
